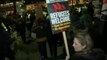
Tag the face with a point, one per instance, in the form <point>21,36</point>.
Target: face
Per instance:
<point>77,45</point>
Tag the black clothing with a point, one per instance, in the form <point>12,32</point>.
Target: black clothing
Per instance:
<point>20,26</point>
<point>95,54</point>
<point>90,9</point>
<point>5,50</point>
<point>70,37</point>
<point>40,30</point>
<point>42,49</point>
<point>103,31</point>
<point>51,39</point>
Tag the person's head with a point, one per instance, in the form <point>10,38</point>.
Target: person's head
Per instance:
<point>82,42</point>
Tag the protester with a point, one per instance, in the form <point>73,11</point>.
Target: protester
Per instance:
<point>40,30</point>
<point>84,49</point>
<point>103,24</point>
<point>86,19</point>
<point>5,43</point>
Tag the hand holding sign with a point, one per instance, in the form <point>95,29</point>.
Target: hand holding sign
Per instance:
<point>60,19</point>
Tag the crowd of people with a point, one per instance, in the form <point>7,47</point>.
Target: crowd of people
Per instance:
<point>81,42</point>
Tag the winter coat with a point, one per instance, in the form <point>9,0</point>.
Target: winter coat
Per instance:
<point>40,30</point>
<point>5,41</point>
<point>86,20</point>
<point>95,54</point>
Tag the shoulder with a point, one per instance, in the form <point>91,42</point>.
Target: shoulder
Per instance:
<point>95,54</point>
<point>98,54</point>
<point>79,57</point>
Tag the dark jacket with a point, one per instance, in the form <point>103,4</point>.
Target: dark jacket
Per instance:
<point>95,54</point>
<point>5,41</point>
<point>40,29</point>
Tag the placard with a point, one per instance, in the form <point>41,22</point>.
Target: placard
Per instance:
<point>59,15</point>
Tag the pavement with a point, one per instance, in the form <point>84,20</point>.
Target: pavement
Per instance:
<point>30,51</point>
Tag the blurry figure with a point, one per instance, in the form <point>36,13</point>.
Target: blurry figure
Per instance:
<point>83,47</point>
<point>95,33</point>
<point>40,30</point>
<point>86,19</point>
<point>8,22</point>
<point>30,21</point>
<point>5,43</point>
<point>103,25</point>
<point>52,39</point>
<point>90,9</point>
<point>20,26</point>
<point>75,20</point>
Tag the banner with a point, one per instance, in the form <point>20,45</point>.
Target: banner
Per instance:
<point>59,15</point>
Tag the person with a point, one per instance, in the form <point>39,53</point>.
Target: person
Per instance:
<point>40,30</point>
<point>103,24</point>
<point>84,49</point>
<point>5,43</point>
<point>20,27</point>
<point>52,39</point>
<point>90,9</point>
<point>86,19</point>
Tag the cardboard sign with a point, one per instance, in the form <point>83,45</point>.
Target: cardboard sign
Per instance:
<point>59,15</point>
